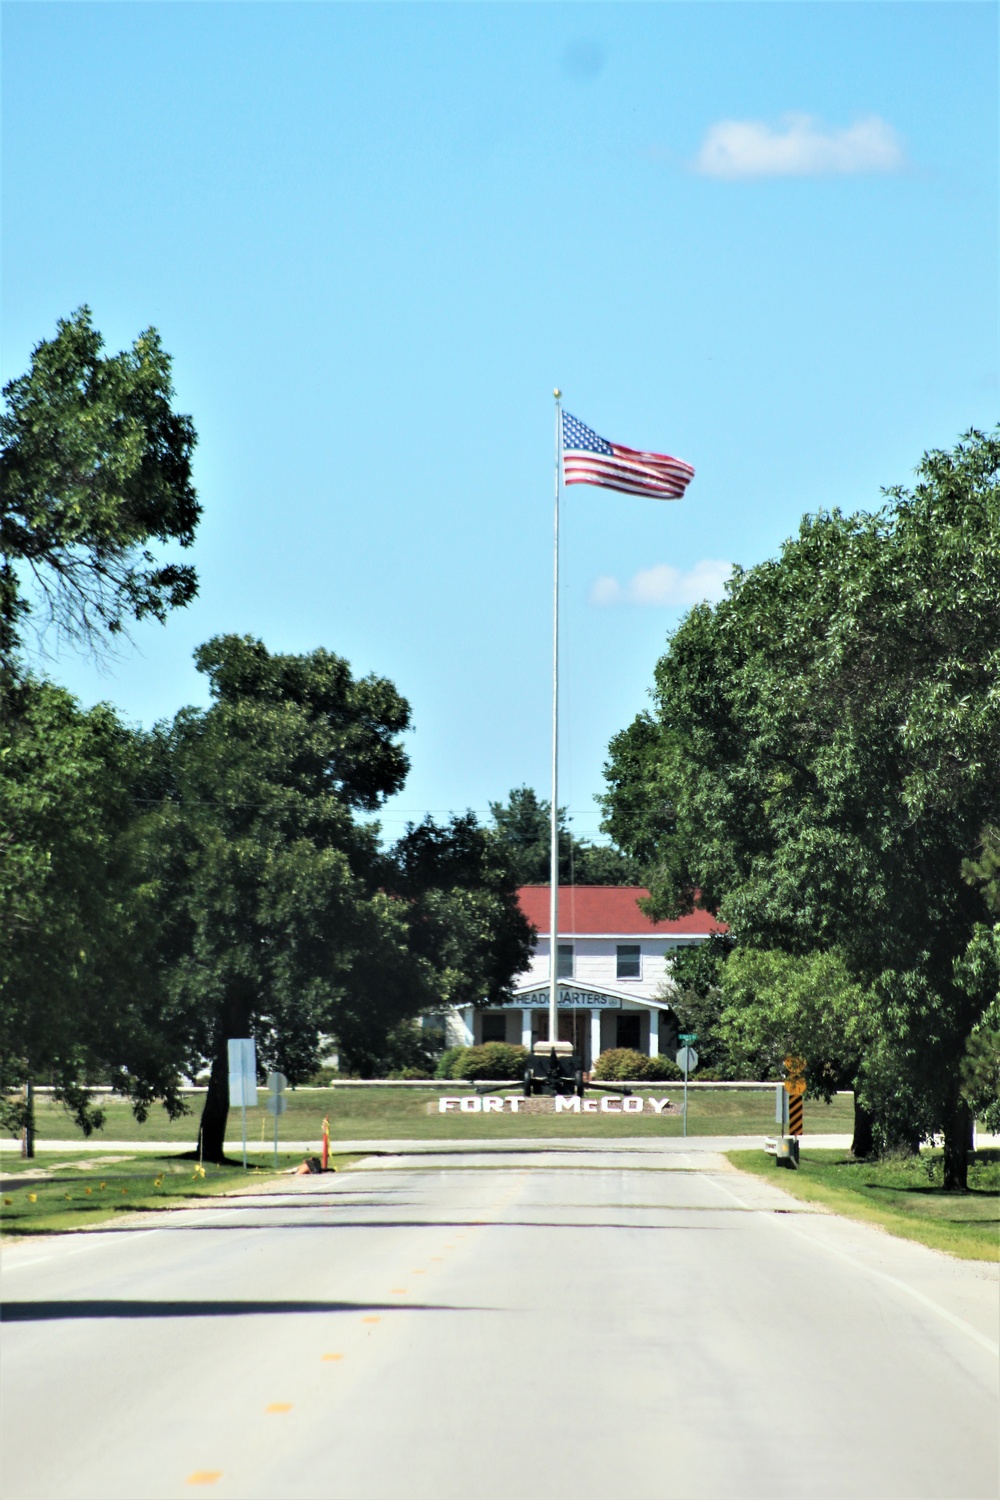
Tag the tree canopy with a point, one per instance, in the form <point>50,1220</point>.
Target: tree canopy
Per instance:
<point>78,1000</point>
<point>275,923</point>
<point>523,824</point>
<point>95,469</point>
<point>823,757</point>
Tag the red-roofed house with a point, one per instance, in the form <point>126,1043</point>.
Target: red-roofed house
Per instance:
<point>613,967</point>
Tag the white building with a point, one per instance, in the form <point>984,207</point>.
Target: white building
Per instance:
<point>612,964</point>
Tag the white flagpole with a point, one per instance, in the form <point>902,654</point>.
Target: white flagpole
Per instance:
<point>554,844</point>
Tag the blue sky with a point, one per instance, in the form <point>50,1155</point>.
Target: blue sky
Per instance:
<point>761,237</point>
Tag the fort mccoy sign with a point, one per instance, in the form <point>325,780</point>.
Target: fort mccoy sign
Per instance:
<point>570,1104</point>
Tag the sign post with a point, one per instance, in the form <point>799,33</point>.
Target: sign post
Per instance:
<point>687,1058</point>
<point>276,1104</point>
<point>795,1087</point>
<point>243,1080</point>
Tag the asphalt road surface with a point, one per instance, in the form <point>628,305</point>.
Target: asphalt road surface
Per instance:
<point>604,1322</point>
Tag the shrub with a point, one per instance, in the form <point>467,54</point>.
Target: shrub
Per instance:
<point>447,1062</point>
<point>492,1062</point>
<point>322,1077</point>
<point>411,1073</point>
<point>620,1064</point>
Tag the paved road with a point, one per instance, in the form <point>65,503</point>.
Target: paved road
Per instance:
<point>499,1324</point>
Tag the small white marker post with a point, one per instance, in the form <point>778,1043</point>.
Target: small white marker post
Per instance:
<point>687,1058</point>
<point>276,1104</point>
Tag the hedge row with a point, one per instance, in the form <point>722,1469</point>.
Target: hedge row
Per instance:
<point>498,1062</point>
<point>623,1064</point>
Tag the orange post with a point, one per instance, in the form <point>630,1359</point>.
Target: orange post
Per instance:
<point>326,1144</point>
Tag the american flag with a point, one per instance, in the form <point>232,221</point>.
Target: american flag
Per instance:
<point>589,459</point>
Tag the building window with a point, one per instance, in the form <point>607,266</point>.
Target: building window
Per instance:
<point>628,960</point>
<point>494,1026</point>
<point>564,962</point>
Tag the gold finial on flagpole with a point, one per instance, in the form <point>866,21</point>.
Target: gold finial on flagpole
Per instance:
<point>557,393</point>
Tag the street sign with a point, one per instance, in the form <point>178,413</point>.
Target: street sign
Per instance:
<point>781,1107</point>
<point>243,1080</point>
<point>795,1086</point>
<point>688,1036</point>
<point>242,1073</point>
<point>795,1067</point>
<point>276,1104</point>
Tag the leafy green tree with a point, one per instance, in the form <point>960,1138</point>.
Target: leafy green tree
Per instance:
<point>984,871</point>
<point>823,757</point>
<point>779,1004</point>
<point>79,999</point>
<point>522,822</point>
<point>274,921</point>
<point>465,923</point>
<point>694,990</point>
<point>95,469</point>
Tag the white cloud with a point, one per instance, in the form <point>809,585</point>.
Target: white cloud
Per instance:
<point>801,146</point>
<point>663,584</point>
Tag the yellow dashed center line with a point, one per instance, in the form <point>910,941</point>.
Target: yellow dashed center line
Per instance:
<point>371,1320</point>
<point>331,1356</point>
<point>204,1476</point>
<point>277,1407</point>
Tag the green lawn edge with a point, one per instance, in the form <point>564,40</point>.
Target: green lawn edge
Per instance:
<point>184,1188</point>
<point>966,1242</point>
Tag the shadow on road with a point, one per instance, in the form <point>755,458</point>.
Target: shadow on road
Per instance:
<point>49,1312</point>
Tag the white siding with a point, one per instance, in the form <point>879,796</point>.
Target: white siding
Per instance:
<point>595,961</point>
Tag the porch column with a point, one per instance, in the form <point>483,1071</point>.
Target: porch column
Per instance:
<point>467,1015</point>
<point>654,1033</point>
<point>595,1038</point>
<point>526,1028</point>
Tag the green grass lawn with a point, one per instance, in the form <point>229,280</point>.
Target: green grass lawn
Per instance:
<point>380,1114</point>
<point>51,1194</point>
<point>903,1195</point>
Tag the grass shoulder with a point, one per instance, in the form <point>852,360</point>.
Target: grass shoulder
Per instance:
<point>55,1195</point>
<point>901,1195</point>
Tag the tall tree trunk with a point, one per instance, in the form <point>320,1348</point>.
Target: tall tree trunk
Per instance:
<point>28,1132</point>
<point>957,1145</point>
<point>215,1114</point>
<point>863,1144</point>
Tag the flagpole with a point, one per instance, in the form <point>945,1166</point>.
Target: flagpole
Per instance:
<point>554,822</point>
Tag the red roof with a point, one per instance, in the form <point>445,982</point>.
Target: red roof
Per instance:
<point>607,909</point>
